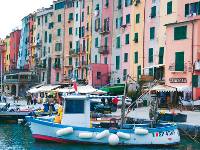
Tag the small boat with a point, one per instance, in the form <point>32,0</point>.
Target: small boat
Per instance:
<point>76,127</point>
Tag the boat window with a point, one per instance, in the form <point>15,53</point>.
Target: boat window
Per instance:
<point>74,106</point>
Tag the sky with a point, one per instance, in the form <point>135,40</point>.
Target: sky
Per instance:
<point>12,11</point>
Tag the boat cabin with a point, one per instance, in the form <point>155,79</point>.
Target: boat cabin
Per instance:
<point>76,111</point>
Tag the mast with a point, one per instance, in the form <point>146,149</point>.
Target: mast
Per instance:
<point>123,104</point>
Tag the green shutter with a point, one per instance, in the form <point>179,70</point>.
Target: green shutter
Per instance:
<point>118,42</point>
<point>136,38</point>
<point>151,71</point>
<point>96,42</point>
<point>152,33</point>
<point>161,55</point>
<point>150,55</point>
<point>153,12</point>
<point>50,38</point>
<point>169,7</point>
<point>128,19</point>
<point>179,61</point>
<point>195,80</point>
<point>70,31</point>
<point>125,57</point>
<point>136,57</point>
<point>198,8</point>
<point>70,60</point>
<point>117,62</point>
<point>180,33</point>
<point>45,37</point>
<point>137,18</point>
<point>127,39</point>
<point>106,41</point>
<point>138,71</point>
<point>186,10</point>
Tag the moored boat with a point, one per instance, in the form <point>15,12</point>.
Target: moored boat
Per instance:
<point>76,127</point>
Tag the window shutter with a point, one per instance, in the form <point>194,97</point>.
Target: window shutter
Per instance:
<point>137,18</point>
<point>180,33</point>
<point>136,57</point>
<point>117,62</point>
<point>153,12</point>
<point>151,71</point>
<point>138,72</point>
<point>198,8</point>
<point>186,10</point>
<point>195,80</point>
<point>169,7</point>
<point>150,55</point>
<point>136,38</point>
<point>161,54</point>
<point>179,61</point>
<point>152,33</point>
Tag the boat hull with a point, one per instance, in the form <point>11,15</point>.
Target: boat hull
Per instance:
<point>46,130</point>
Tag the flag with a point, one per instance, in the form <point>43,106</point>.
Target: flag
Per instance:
<point>75,86</point>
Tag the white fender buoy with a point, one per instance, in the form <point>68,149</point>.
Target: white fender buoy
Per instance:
<point>64,131</point>
<point>102,134</point>
<point>113,139</point>
<point>85,135</point>
<point>141,131</point>
<point>124,135</point>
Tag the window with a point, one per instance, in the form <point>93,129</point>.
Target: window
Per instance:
<point>76,17</point>
<point>82,16</point>
<point>169,8</point>
<point>150,55</point>
<point>127,39</point>
<point>70,44</point>
<point>88,10</point>
<point>70,60</point>
<point>152,33</point>
<point>58,47</point>
<point>120,21</point>
<point>45,36</point>
<point>153,12</point>
<point>107,3</point>
<point>96,42</point>
<point>137,18</point>
<point>46,19</point>
<point>118,42</point>
<point>139,72</point>
<point>58,32</point>
<point>50,38</point>
<point>128,3</point>
<point>136,37</point>
<point>77,46</point>
<point>117,62</point>
<point>95,59</point>
<point>119,5</point>
<point>98,75</point>
<point>151,71</point>
<point>179,61</point>
<point>136,57</point>
<point>180,33</point>
<point>57,76</point>
<point>161,55</point>
<point>70,16</point>
<point>60,5</point>
<point>125,57</point>
<point>70,31</point>
<point>97,7</point>
<point>116,23</point>
<point>97,24</point>
<point>192,9</point>
<point>43,75</point>
<point>76,31</point>
<point>128,19</point>
<point>74,106</point>
<point>105,60</point>
<point>59,18</point>
<point>38,21</point>
<point>124,74</point>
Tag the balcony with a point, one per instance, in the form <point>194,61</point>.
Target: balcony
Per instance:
<point>172,68</point>
<point>103,32</point>
<point>73,52</point>
<point>103,50</point>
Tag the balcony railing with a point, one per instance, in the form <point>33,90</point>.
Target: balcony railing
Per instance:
<point>172,68</point>
<point>73,52</point>
<point>103,50</point>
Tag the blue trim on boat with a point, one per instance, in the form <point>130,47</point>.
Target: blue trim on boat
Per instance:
<point>52,124</point>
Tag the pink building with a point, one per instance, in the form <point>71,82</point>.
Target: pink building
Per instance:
<point>14,48</point>
<point>183,50</point>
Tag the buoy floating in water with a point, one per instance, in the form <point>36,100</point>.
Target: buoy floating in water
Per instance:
<point>113,139</point>
<point>124,135</point>
<point>141,131</point>
<point>102,134</point>
<point>64,131</point>
<point>85,135</point>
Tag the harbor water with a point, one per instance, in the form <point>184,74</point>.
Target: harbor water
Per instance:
<point>18,137</point>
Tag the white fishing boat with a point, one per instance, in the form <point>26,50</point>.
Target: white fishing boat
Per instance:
<point>76,126</point>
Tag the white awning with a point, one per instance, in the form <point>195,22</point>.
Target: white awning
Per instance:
<point>65,90</point>
<point>45,88</point>
<point>184,89</point>
<point>163,88</point>
<point>86,89</point>
<point>154,66</point>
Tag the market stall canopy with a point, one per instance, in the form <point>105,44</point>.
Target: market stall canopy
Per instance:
<point>163,88</point>
<point>86,89</point>
<point>45,88</point>
<point>116,90</point>
<point>65,90</point>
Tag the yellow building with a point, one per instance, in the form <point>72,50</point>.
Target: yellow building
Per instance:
<point>7,59</point>
<point>137,34</point>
